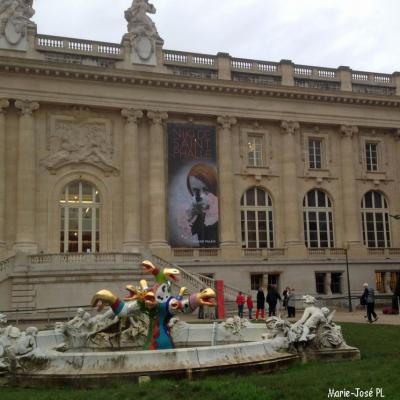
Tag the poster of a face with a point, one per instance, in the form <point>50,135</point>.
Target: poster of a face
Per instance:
<point>192,185</point>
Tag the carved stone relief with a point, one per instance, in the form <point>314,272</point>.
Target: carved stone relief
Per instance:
<point>142,32</point>
<point>76,139</point>
<point>14,19</point>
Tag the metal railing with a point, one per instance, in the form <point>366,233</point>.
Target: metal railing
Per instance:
<point>198,281</point>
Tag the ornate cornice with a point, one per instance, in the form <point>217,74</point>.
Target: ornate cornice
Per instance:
<point>226,121</point>
<point>348,130</point>
<point>290,127</point>
<point>131,115</point>
<point>184,83</point>
<point>27,107</point>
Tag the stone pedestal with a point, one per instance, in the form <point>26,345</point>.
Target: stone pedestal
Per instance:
<point>131,177</point>
<point>157,194</point>
<point>226,193</point>
<point>3,104</point>
<point>26,178</point>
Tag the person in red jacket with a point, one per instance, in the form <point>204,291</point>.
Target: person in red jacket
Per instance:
<point>240,300</point>
<point>250,305</point>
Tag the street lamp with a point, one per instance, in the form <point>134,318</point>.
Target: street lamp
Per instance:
<point>346,249</point>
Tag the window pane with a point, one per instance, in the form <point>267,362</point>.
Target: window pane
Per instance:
<point>250,199</point>
<point>321,199</point>
<point>73,192</point>
<point>260,197</point>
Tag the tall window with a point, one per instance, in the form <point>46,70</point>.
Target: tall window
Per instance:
<point>318,220</point>
<point>80,218</point>
<point>371,155</point>
<point>375,220</point>
<point>255,151</point>
<point>315,153</point>
<point>256,219</point>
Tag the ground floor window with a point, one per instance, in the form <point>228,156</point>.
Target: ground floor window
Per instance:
<point>336,282</point>
<point>256,281</point>
<point>380,282</point>
<point>80,218</point>
<point>320,283</point>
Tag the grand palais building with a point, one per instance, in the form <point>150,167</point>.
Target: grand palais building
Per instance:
<point>251,172</point>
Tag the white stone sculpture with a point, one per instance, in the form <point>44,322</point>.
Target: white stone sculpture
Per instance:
<point>142,32</point>
<point>13,343</point>
<point>277,333</point>
<point>305,328</point>
<point>314,329</point>
<point>14,19</point>
<point>235,324</point>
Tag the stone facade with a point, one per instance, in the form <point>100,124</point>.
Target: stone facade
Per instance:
<point>80,111</point>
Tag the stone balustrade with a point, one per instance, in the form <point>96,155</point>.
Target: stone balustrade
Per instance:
<point>78,46</point>
<point>223,66</point>
<point>84,258</point>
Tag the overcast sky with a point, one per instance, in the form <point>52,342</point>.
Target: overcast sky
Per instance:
<point>363,34</point>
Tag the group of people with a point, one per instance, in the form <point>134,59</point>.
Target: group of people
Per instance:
<point>272,298</point>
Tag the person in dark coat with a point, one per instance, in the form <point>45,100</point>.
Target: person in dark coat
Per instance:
<point>369,297</point>
<point>272,299</point>
<point>260,303</point>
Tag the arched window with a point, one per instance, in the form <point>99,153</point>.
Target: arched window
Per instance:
<point>256,219</point>
<point>375,220</point>
<point>80,218</point>
<point>318,219</point>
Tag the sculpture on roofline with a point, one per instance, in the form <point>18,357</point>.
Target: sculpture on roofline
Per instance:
<point>156,301</point>
<point>14,19</point>
<point>142,32</point>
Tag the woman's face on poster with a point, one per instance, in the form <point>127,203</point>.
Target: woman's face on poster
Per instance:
<point>200,190</point>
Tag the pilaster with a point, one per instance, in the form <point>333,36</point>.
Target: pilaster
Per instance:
<point>290,130</point>
<point>351,205</point>
<point>226,191</point>
<point>26,178</point>
<point>157,195</point>
<point>345,79</point>
<point>131,180</point>
<point>3,105</point>
<point>287,71</point>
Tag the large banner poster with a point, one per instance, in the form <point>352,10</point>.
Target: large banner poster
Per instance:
<point>192,185</point>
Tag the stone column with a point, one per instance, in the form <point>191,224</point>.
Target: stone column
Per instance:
<point>3,104</point>
<point>131,180</point>
<point>26,178</point>
<point>351,203</point>
<point>290,130</point>
<point>226,193</point>
<point>157,195</point>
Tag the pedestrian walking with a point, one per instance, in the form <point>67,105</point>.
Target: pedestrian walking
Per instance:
<point>260,303</point>
<point>250,305</point>
<point>240,300</point>
<point>285,294</point>
<point>291,303</point>
<point>369,299</point>
<point>272,299</point>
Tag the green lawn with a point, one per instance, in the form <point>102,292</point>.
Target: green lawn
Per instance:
<point>378,368</point>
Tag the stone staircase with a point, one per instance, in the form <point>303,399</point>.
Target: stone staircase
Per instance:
<point>31,282</point>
